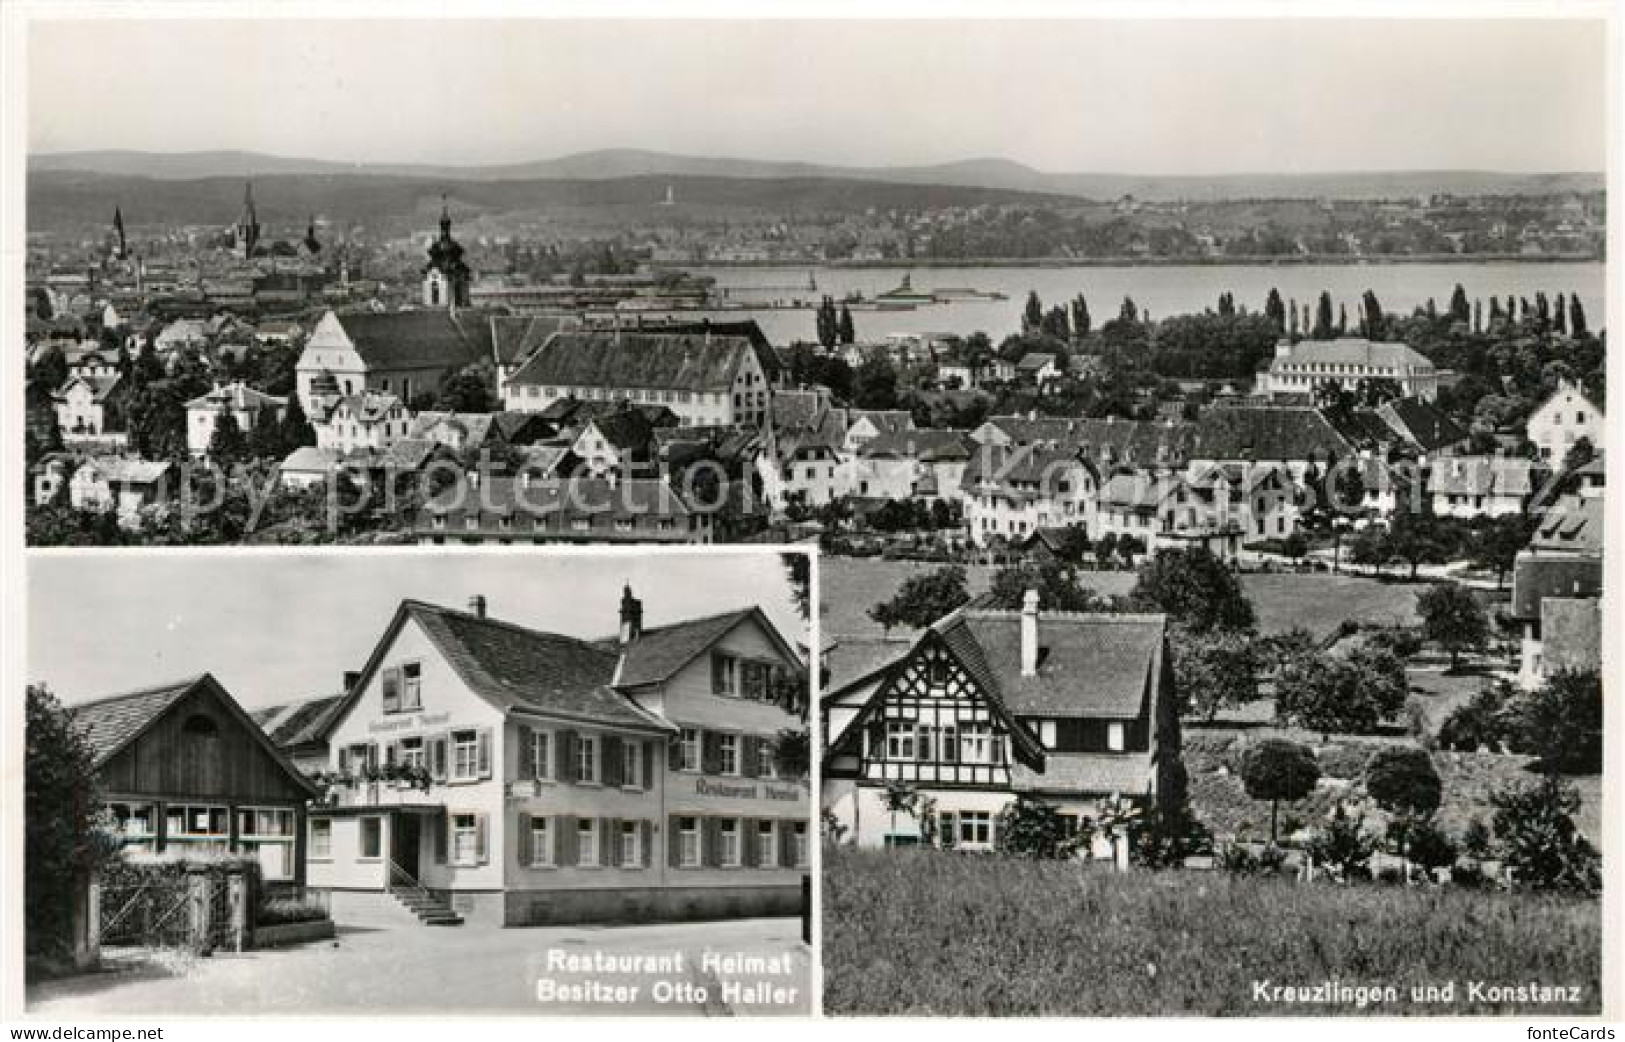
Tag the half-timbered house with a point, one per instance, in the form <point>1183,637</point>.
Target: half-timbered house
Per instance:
<point>987,705</point>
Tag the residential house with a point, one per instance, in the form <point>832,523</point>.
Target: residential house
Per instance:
<point>1010,492</point>
<point>1563,562</point>
<point>1562,420</point>
<point>621,440</point>
<point>986,706</point>
<point>183,334</point>
<point>1482,486</point>
<point>183,770</point>
<point>865,425</point>
<point>369,420</point>
<point>1038,369</point>
<point>1425,432</point>
<point>93,409</point>
<point>801,459</point>
<point>248,407</point>
<point>123,486</point>
<point>511,776</point>
<point>912,464</point>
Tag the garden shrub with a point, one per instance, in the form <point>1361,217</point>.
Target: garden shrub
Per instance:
<point>1343,845</point>
<point>279,911</point>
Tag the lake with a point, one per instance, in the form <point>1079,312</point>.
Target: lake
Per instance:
<point>1163,290</point>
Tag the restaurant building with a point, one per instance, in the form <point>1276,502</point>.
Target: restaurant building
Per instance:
<point>481,770</point>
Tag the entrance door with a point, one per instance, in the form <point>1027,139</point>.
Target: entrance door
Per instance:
<point>404,842</point>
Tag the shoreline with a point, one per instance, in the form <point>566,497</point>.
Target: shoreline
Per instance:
<point>1314,261</point>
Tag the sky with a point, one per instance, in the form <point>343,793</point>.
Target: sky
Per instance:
<point>1167,96</point>
<point>283,626</point>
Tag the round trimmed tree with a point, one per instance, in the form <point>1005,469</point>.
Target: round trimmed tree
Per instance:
<point>1275,770</point>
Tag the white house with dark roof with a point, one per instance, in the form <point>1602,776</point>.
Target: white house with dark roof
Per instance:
<point>92,408</point>
<point>484,770</point>
<point>1562,420</point>
<point>1009,492</point>
<point>1482,486</point>
<point>250,408</point>
<point>987,705</point>
<point>1552,579</point>
<point>123,486</point>
<point>578,508</point>
<point>369,420</point>
<point>912,464</point>
<point>1300,368</point>
<point>708,380</point>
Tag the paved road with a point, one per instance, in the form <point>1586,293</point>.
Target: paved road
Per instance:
<point>470,969</point>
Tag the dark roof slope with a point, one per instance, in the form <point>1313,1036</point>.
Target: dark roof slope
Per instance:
<point>515,337</point>
<point>660,652</point>
<point>416,339</point>
<point>109,723</point>
<point>516,667</point>
<point>1089,665</point>
<point>1266,434</point>
<point>621,359</point>
<point>299,723</point>
<point>1421,423</point>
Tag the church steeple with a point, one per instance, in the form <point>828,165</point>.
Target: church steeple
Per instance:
<point>446,277</point>
<point>123,248</point>
<point>313,245</point>
<point>247,232</point>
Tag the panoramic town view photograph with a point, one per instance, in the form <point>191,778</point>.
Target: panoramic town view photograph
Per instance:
<point>467,793</point>
<point>1151,474</point>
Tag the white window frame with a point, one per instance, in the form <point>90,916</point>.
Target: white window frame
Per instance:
<point>629,853</point>
<point>321,839</point>
<point>541,853</point>
<point>729,843</point>
<point>690,744</point>
<point>251,840</point>
<point>689,844</point>
<point>728,754</point>
<point>800,847</point>
<point>414,755</point>
<point>458,747</point>
<point>587,839</point>
<point>766,759</point>
<point>361,838</point>
<point>631,765</point>
<point>766,831</point>
<point>458,832</point>
<point>1116,736</point>
<point>411,687</point>
<point>587,753</point>
<point>974,829</point>
<point>541,756</point>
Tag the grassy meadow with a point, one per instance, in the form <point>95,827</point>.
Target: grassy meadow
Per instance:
<point>925,932</point>
<point>1315,601</point>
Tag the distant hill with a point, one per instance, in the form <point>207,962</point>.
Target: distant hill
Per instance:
<point>986,173</point>
<point>71,199</point>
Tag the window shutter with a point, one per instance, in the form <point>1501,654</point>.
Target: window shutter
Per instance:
<point>747,753</point>
<point>648,778</point>
<point>437,757</point>
<point>609,838</point>
<point>527,752</point>
<point>674,754</point>
<point>945,827</point>
<point>556,824</point>
<point>787,844</point>
<point>718,681</point>
<point>442,840</point>
<point>525,854</point>
<point>710,752</point>
<point>372,755</point>
<point>747,842</point>
<point>568,748</point>
<point>710,841</point>
<point>612,760</point>
<point>482,850</point>
<point>645,843</point>
<point>392,752</point>
<point>674,842</point>
<point>482,752</point>
<point>344,761</point>
<point>568,840</point>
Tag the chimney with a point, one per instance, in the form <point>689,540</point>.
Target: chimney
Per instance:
<point>476,605</point>
<point>631,616</point>
<point>350,678</point>
<point>1029,634</point>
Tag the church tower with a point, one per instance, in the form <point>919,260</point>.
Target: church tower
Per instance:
<point>445,279</point>
<point>122,250</point>
<point>246,237</point>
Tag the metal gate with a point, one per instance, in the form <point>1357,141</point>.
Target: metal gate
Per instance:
<point>177,915</point>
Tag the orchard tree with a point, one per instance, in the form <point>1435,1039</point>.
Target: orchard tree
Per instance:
<point>1056,582</point>
<point>1404,782</point>
<point>923,599</point>
<point>1561,722</point>
<point>1275,770</point>
<point>1215,670</point>
<point>1496,543</point>
<point>1539,840</point>
<point>1339,694</point>
<point>1195,589</point>
<point>1453,618</point>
